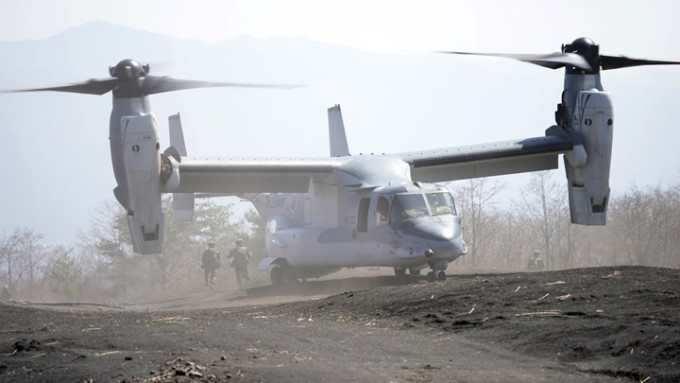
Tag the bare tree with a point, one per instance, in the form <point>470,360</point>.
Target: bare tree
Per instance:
<point>476,205</point>
<point>513,233</point>
<point>646,225</point>
<point>632,218</point>
<point>108,235</point>
<point>64,273</point>
<point>33,254</point>
<point>594,246</point>
<point>24,256</point>
<point>544,203</point>
<point>7,257</point>
<point>667,212</point>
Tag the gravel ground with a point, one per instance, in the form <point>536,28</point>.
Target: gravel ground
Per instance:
<point>597,324</point>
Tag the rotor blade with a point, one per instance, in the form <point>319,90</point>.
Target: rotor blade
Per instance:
<point>553,60</point>
<point>93,86</point>
<point>616,62</point>
<point>156,84</point>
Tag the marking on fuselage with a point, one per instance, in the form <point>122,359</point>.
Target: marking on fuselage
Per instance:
<point>276,202</point>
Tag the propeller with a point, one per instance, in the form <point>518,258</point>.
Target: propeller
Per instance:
<point>131,79</point>
<point>581,56</point>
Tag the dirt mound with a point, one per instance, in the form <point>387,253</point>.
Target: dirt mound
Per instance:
<point>613,321</point>
<point>598,324</point>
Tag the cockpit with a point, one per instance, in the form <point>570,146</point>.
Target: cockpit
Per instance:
<point>416,221</point>
<point>414,205</point>
<point>394,206</point>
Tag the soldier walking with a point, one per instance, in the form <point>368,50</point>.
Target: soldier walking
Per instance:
<point>240,257</point>
<point>210,262</point>
<point>536,262</point>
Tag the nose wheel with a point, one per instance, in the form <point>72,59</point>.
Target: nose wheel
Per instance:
<point>433,276</point>
<point>437,273</point>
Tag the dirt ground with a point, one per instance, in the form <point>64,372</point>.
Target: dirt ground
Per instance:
<point>597,324</point>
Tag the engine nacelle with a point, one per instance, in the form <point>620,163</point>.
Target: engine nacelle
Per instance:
<point>141,156</point>
<point>587,166</point>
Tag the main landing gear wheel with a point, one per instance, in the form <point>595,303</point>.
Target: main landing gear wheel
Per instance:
<point>277,276</point>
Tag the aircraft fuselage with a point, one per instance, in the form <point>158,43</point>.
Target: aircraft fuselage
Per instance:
<point>343,223</point>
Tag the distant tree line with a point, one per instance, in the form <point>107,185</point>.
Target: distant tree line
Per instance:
<point>643,228</point>
<point>102,263</point>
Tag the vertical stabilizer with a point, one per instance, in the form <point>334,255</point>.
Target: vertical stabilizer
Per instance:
<point>182,203</point>
<point>177,135</point>
<point>336,133</point>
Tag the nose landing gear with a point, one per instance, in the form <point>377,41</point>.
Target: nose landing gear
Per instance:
<point>436,276</point>
<point>437,273</point>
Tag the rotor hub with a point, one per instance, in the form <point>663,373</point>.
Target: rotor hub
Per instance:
<point>128,69</point>
<point>587,49</point>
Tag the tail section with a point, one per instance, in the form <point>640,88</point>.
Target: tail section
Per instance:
<point>336,133</point>
<point>182,203</point>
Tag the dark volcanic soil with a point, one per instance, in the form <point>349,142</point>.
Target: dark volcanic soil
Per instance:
<point>598,324</point>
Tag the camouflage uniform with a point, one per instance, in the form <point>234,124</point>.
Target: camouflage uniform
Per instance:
<point>536,262</point>
<point>210,262</point>
<point>240,257</point>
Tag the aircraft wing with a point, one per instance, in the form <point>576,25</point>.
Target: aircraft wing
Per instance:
<point>484,160</point>
<point>251,175</point>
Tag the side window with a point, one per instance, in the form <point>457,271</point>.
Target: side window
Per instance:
<point>362,222</point>
<point>382,211</point>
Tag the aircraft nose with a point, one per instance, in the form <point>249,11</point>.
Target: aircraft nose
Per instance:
<point>431,231</point>
<point>435,237</point>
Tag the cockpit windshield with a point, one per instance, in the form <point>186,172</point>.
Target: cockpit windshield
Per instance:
<point>441,203</point>
<point>420,205</point>
<point>408,206</point>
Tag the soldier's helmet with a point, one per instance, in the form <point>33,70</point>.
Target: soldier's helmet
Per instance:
<point>239,242</point>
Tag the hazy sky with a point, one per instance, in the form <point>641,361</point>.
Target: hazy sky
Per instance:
<point>646,101</point>
<point>381,25</point>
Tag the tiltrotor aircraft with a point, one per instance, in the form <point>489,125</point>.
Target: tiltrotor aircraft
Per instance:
<point>347,210</point>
